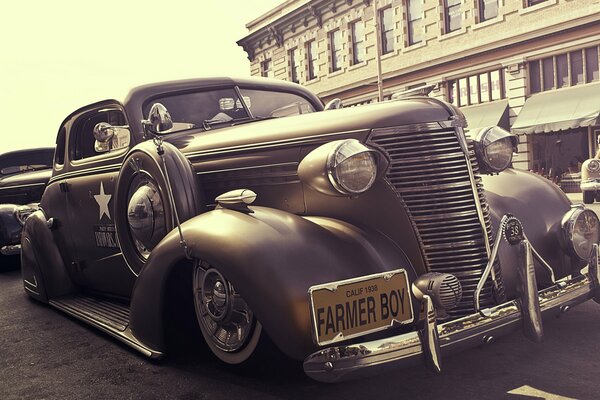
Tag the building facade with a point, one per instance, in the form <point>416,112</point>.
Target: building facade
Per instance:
<point>531,66</point>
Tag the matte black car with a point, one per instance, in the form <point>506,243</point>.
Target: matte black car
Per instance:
<point>356,239</point>
<point>23,177</point>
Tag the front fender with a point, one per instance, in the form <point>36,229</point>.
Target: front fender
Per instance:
<point>271,257</point>
<point>10,228</point>
<point>540,205</point>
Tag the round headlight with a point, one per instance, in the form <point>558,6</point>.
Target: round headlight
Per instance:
<point>23,212</point>
<point>352,167</point>
<point>582,230</point>
<point>494,149</point>
<point>145,215</point>
<point>593,165</point>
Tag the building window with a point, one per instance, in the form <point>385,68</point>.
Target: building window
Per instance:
<point>293,65</point>
<point>529,3</point>
<point>562,70</point>
<point>265,69</point>
<point>386,22</point>
<point>478,88</point>
<point>357,31</point>
<point>415,18</point>
<point>488,9</point>
<point>335,43</point>
<point>311,59</point>
<point>452,15</point>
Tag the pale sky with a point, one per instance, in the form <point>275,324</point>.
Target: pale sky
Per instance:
<point>60,55</point>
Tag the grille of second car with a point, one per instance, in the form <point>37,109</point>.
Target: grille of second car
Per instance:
<point>429,171</point>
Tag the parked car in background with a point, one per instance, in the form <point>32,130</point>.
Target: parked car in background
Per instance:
<point>590,179</point>
<point>357,240</point>
<point>23,177</point>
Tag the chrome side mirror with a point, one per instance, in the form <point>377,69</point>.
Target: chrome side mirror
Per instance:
<point>103,133</point>
<point>334,104</point>
<point>159,120</point>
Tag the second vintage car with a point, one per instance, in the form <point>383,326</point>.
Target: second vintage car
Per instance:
<point>23,177</point>
<point>357,240</point>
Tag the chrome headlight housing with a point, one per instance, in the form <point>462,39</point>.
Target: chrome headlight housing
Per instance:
<point>593,165</point>
<point>23,212</point>
<point>581,230</point>
<point>494,148</point>
<point>352,167</point>
<point>341,168</point>
<point>146,217</point>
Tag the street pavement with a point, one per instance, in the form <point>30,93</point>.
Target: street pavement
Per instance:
<point>45,354</point>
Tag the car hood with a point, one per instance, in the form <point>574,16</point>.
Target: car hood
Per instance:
<point>395,113</point>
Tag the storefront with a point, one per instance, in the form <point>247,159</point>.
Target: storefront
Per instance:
<point>561,128</point>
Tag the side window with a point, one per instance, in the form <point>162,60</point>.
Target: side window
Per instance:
<point>114,131</point>
<point>59,154</point>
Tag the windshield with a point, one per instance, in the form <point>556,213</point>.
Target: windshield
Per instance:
<point>212,109</point>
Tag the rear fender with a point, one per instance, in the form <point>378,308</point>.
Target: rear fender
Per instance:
<point>272,258</point>
<point>42,267</point>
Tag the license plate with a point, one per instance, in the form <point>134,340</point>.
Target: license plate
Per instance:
<point>354,307</point>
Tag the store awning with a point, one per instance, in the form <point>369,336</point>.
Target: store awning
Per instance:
<point>487,114</point>
<point>558,110</point>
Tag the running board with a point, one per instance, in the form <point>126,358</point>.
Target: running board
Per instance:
<point>108,316</point>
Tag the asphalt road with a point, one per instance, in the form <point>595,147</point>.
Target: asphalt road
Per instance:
<point>45,354</point>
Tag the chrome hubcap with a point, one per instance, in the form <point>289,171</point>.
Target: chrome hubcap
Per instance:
<point>225,318</point>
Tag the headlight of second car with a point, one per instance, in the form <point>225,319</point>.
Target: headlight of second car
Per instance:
<point>343,167</point>
<point>581,229</point>
<point>494,148</point>
<point>23,212</point>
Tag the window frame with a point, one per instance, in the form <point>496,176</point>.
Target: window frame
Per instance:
<point>383,31</point>
<point>410,22</point>
<point>293,65</point>
<point>266,72</point>
<point>311,60</point>
<point>334,51</point>
<point>447,11</point>
<point>481,10</point>
<point>357,42</point>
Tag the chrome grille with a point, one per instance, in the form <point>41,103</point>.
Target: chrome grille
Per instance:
<point>429,172</point>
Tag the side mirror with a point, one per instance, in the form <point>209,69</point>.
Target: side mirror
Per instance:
<point>159,120</point>
<point>103,133</point>
<point>334,104</point>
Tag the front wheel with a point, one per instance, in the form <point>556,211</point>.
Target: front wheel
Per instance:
<point>227,323</point>
<point>588,196</point>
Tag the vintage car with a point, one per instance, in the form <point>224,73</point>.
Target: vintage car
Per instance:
<point>23,177</point>
<point>590,179</point>
<point>356,240</point>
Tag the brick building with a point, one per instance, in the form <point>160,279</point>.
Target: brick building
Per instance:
<point>528,65</point>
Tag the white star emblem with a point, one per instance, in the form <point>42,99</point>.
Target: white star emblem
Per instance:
<point>102,200</point>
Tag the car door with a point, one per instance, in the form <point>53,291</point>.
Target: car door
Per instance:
<point>90,184</point>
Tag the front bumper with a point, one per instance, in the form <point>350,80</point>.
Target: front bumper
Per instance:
<point>339,363</point>
<point>591,185</point>
<point>10,250</point>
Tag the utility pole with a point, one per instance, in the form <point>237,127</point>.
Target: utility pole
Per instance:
<point>378,51</point>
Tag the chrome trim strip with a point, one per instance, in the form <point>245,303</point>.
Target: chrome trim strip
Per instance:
<point>247,168</point>
<point>22,186</point>
<point>411,128</point>
<point>315,139</point>
<point>85,172</point>
<point>11,250</point>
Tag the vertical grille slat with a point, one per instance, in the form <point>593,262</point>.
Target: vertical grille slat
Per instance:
<point>429,171</point>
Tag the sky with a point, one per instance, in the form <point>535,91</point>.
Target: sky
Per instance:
<point>59,55</point>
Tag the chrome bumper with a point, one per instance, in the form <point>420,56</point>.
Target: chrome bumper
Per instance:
<point>339,363</point>
<point>11,250</point>
<point>592,185</point>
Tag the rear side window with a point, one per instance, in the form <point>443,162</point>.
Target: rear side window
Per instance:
<point>59,154</point>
